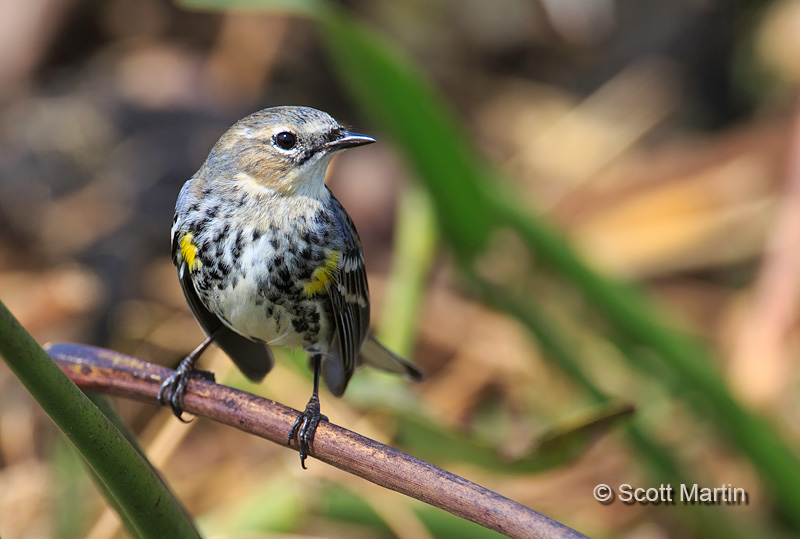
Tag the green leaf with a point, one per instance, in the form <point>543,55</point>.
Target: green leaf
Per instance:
<point>564,443</point>
<point>415,247</point>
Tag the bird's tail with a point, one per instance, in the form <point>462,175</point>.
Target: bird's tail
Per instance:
<point>376,355</point>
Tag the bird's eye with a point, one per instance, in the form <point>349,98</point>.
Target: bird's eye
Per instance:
<point>286,140</point>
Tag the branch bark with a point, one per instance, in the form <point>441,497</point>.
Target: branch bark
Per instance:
<point>106,371</point>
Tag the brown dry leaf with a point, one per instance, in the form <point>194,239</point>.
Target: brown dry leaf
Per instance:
<point>556,145</point>
<point>25,496</point>
<point>484,348</point>
<point>42,300</point>
<point>693,221</point>
<point>244,55</point>
<point>75,222</point>
<point>778,39</point>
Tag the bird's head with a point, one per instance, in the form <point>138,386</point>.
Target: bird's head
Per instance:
<point>282,148</point>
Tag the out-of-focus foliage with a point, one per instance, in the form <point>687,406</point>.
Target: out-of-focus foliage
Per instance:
<point>653,135</point>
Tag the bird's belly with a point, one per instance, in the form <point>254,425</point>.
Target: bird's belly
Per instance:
<point>268,311</point>
<point>247,314</point>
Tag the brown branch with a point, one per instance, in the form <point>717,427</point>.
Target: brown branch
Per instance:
<point>106,371</point>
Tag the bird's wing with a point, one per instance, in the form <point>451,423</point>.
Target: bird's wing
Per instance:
<point>349,295</point>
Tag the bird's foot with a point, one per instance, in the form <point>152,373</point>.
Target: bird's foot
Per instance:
<point>173,389</point>
<point>304,428</point>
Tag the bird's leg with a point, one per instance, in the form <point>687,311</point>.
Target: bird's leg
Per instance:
<point>173,388</point>
<point>305,426</point>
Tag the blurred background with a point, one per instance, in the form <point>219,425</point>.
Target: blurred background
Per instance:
<point>655,135</point>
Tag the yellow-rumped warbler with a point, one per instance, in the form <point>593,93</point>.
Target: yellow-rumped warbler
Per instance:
<point>267,255</point>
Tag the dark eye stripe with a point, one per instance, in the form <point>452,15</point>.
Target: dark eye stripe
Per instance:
<point>305,156</point>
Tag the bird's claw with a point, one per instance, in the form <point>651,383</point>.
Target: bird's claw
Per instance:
<point>173,389</point>
<point>304,428</point>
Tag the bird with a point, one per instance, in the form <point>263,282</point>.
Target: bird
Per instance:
<point>267,256</point>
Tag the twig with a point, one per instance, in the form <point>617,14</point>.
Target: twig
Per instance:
<point>106,371</point>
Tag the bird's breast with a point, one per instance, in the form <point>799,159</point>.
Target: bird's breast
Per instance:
<point>267,277</point>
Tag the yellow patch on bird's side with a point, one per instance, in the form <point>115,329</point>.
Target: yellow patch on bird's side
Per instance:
<point>323,275</point>
<point>189,252</point>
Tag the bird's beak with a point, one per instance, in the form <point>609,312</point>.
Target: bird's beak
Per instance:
<point>348,140</point>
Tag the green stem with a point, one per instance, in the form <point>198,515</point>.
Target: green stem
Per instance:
<point>415,246</point>
<point>136,489</point>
